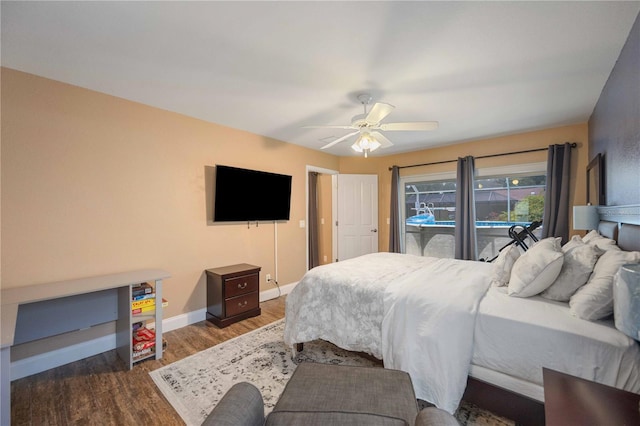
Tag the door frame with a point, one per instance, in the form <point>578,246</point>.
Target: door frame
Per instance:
<point>334,195</point>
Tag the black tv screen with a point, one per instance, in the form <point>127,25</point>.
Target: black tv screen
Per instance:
<point>243,195</point>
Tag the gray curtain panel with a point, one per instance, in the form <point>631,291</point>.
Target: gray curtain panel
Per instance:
<point>395,239</point>
<point>465,231</point>
<point>555,219</point>
<point>314,240</point>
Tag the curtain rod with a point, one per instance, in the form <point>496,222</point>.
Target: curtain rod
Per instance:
<point>573,145</point>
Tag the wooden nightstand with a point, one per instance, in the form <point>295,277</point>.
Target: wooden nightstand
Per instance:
<point>570,400</point>
<point>232,294</point>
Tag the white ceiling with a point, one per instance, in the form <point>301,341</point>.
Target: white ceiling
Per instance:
<point>481,69</point>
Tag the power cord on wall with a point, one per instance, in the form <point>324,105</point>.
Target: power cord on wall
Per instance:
<point>275,257</point>
<point>271,280</point>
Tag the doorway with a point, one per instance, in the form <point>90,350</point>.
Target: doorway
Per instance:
<point>358,197</point>
<point>321,222</point>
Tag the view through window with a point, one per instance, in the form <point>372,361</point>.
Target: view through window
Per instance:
<point>503,198</point>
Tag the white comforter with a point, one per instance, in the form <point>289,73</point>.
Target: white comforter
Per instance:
<point>343,302</point>
<point>393,306</point>
<point>435,319</point>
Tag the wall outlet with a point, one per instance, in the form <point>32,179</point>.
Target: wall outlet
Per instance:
<point>268,276</point>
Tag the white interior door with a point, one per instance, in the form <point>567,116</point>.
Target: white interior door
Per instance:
<point>357,215</point>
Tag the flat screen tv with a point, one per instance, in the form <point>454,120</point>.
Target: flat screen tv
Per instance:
<point>243,195</point>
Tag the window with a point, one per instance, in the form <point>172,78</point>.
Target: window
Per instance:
<point>429,211</point>
<point>504,196</point>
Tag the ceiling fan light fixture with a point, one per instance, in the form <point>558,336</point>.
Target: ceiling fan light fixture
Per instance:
<point>365,143</point>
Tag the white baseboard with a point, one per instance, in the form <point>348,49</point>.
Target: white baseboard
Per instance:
<point>273,293</point>
<point>45,361</point>
<point>182,320</point>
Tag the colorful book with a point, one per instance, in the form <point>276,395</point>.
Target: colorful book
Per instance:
<point>147,352</point>
<point>143,310</point>
<point>144,341</point>
<point>143,338</point>
<point>141,289</point>
<point>144,296</point>
<point>148,308</point>
<point>142,303</point>
<point>137,355</point>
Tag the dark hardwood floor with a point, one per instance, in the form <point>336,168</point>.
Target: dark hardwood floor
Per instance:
<point>100,390</point>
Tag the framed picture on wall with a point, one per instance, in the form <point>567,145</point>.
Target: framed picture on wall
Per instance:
<point>595,181</point>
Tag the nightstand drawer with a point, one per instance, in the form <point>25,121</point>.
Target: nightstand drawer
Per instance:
<point>240,304</point>
<point>240,285</point>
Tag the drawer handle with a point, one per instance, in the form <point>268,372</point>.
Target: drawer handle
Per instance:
<point>242,286</point>
<point>240,305</point>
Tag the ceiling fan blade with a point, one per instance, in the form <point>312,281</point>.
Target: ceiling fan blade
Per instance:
<point>416,125</point>
<point>378,112</point>
<point>327,127</point>
<point>384,142</point>
<point>329,145</point>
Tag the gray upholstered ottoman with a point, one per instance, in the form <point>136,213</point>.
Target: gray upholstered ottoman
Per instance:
<point>322,394</point>
<point>331,395</point>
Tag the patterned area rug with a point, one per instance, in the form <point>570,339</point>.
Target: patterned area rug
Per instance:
<point>195,384</point>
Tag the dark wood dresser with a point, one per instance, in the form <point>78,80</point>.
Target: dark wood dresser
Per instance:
<point>570,401</point>
<point>233,293</point>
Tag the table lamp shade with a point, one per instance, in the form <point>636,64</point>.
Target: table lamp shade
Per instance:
<point>626,300</point>
<point>585,217</point>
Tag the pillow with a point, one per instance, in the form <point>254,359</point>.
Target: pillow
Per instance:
<point>578,265</point>
<point>591,235</point>
<point>594,300</point>
<point>503,265</point>
<point>575,241</point>
<point>602,242</point>
<point>537,268</point>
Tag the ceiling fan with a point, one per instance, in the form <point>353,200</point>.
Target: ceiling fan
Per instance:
<point>367,125</point>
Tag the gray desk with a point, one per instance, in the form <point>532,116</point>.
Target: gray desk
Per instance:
<point>43,310</point>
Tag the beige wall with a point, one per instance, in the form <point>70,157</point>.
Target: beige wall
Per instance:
<point>520,142</point>
<point>94,184</point>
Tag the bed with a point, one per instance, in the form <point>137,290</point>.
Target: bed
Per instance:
<point>444,322</point>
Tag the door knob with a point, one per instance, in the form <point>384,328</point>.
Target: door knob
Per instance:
<point>374,230</point>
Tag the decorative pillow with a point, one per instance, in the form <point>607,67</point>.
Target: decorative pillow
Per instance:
<point>578,265</point>
<point>503,265</point>
<point>575,241</point>
<point>537,268</point>
<point>603,243</point>
<point>591,235</point>
<point>594,300</point>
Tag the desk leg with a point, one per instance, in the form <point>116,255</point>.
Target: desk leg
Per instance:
<point>5,386</point>
<point>158,321</point>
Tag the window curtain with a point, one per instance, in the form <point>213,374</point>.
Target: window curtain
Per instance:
<point>314,240</point>
<point>395,240</point>
<point>465,231</point>
<point>555,218</point>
